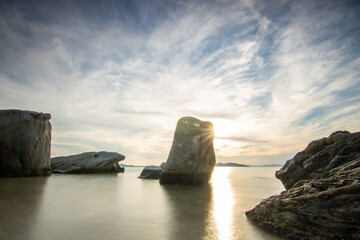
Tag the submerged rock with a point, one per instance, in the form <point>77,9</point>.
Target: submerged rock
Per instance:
<point>192,156</point>
<point>88,162</point>
<point>25,142</point>
<point>152,172</point>
<point>322,200</point>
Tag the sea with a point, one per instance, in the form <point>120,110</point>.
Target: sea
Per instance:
<point>123,206</point>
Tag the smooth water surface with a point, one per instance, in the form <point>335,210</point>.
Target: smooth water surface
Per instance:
<point>122,206</point>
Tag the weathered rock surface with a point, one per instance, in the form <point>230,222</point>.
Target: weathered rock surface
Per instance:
<point>25,142</point>
<point>322,200</point>
<point>88,162</point>
<point>320,157</point>
<point>192,156</point>
<point>119,167</point>
<point>152,172</point>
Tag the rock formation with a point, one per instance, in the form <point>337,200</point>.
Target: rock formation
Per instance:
<point>88,162</point>
<point>152,172</point>
<point>322,200</point>
<point>25,142</point>
<point>192,156</point>
<point>119,168</point>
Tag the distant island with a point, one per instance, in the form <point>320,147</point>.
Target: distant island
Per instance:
<point>268,165</point>
<point>126,165</point>
<point>231,165</point>
<point>221,165</point>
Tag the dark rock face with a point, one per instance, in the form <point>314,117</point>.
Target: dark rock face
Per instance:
<point>25,142</point>
<point>192,156</point>
<point>118,168</point>
<point>322,200</point>
<point>89,162</point>
<point>152,172</point>
<point>320,157</point>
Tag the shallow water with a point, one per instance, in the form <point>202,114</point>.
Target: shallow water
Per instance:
<point>121,206</point>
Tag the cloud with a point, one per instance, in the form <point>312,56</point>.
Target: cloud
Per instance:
<point>271,76</point>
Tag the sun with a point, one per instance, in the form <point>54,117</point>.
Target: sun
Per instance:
<point>223,128</point>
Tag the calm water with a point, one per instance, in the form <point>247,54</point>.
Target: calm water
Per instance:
<point>121,206</point>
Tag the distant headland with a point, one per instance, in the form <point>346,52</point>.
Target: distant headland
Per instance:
<point>231,165</point>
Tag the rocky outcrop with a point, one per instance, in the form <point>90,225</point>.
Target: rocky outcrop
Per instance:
<point>118,167</point>
<point>322,200</point>
<point>192,156</point>
<point>89,162</point>
<point>152,172</point>
<point>320,157</point>
<point>25,142</point>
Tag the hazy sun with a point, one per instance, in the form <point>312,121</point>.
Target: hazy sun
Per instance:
<point>223,128</point>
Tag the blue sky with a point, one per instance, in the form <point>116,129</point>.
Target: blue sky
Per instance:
<point>117,75</point>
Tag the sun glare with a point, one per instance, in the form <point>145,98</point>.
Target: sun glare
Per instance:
<point>223,128</point>
<point>223,202</point>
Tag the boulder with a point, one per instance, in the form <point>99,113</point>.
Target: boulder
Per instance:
<point>152,172</point>
<point>88,162</point>
<point>119,168</point>
<point>319,158</point>
<point>322,200</point>
<point>25,142</point>
<point>192,157</point>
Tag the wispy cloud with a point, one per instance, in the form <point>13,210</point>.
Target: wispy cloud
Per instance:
<point>271,77</point>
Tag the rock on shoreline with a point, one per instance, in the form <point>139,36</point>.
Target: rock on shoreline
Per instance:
<point>25,142</point>
<point>152,172</point>
<point>322,200</point>
<point>192,156</point>
<point>88,162</point>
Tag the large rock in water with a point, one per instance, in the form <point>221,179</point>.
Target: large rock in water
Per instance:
<point>25,142</point>
<point>192,156</point>
<point>322,200</point>
<point>88,162</point>
<point>152,172</point>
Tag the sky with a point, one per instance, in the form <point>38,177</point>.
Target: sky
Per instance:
<point>117,75</point>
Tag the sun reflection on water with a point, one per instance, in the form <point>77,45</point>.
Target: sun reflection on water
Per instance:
<point>222,202</point>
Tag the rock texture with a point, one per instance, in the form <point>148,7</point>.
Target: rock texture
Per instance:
<point>192,156</point>
<point>152,172</point>
<point>25,142</point>
<point>89,162</point>
<point>119,168</point>
<point>322,200</point>
<point>320,157</point>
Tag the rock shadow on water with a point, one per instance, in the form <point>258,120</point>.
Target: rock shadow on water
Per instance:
<point>20,203</point>
<point>191,211</point>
